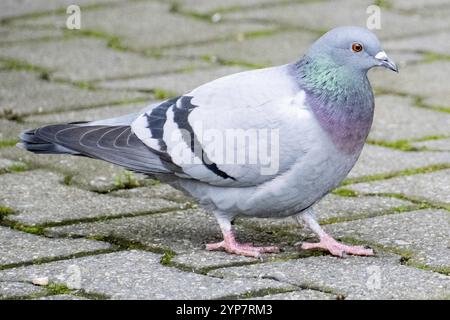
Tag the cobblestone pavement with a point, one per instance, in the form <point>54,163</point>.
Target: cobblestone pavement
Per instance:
<point>75,228</point>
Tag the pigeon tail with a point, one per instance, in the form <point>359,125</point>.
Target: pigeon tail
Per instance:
<point>116,144</point>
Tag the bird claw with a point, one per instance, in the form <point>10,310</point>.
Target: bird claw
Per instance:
<point>337,249</point>
<point>242,249</point>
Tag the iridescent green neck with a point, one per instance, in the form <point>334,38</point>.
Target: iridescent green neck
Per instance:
<point>323,77</point>
<point>341,99</point>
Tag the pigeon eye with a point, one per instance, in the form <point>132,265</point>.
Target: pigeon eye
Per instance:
<point>357,47</point>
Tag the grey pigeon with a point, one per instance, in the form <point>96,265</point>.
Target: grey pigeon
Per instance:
<point>313,115</point>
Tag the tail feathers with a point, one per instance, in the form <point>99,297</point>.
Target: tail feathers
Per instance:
<point>115,144</point>
<point>29,141</point>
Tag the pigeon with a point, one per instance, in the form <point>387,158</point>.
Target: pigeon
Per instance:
<point>265,143</point>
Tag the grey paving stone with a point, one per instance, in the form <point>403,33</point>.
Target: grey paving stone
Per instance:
<point>62,297</point>
<point>17,247</point>
<point>86,115</point>
<point>299,295</point>
<point>415,5</point>
<point>433,186</point>
<point>279,48</point>
<point>379,160</point>
<point>396,118</point>
<point>10,130</point>
<point>178,83</point>
<point>23,92</point>
<point>39,197</point>
<point>110,274</point>
<point>211,6</point>
<point>440,99</point>
<point>349,12</point>
<point>12,8</point>
<point>353,277</point>
<point>441,144</point>
<point>432,78</point>
<point>332,208</point>
<point>424,43</point>
<point>14,34</point>
<point>84,59</point>
<point>424,233</point>
<point>180,231</point>
<point>159,190</point>
<point>349,207</point>
<point>183,232</point>
<point>6,164</point>
<point>90,174</point>
<point>12,289</point>
<point>188,231</point>
<point>201,259</point>
<point>162,28</point>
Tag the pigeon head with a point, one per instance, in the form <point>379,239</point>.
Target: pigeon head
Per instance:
<point>354,48</point>
<point>333,73</point>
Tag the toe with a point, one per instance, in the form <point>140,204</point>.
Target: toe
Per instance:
<point>214,246</point>
<point>243,252</point>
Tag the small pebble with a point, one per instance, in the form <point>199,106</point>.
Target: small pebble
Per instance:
<point>40,281</point>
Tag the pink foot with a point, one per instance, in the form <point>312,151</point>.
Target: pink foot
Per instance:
<point>230,245</point>
<point>336,248</point>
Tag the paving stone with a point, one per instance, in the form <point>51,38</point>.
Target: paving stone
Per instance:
<point>396,118</point>
<point>424,233</point>
<point>441,144</point>
<point>88,114</point>
<point>186,232</point>
<point>332,208</point>
<point>353,277</point>
<point>12,8</point>
<point>62,297</point>
<point>14,34</point>
<point>432,78</point>
<point>178,83</point>
<point>11,289</point>
<point>110,274</point>
<point>162,28</point>
<point>433,186</point>
<point>6,164</point>
<point>39,197</point>
<point>321,15</point>
<point>440,99</point>
<point>298,295</point>
<point>379,160</point>
<point>159,190</point>
<point>84,59</point>
<point>415,5</point>
<point>272,49</point>
<point>201,259</point>
<point>90,174</point>
<point>17,247</point>
<point>347,207</point>
<point>23,92</point>
<point>10,130</point>
<point>183,232</point>
<point>210,6</point>
<point>424,43</point>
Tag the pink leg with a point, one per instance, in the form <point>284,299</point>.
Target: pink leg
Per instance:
<point>230,245</point>
<point>327,242</point>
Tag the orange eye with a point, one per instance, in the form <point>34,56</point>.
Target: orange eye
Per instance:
<point>357,47</point>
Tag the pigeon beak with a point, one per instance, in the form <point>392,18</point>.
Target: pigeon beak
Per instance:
<point>385,61</point>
